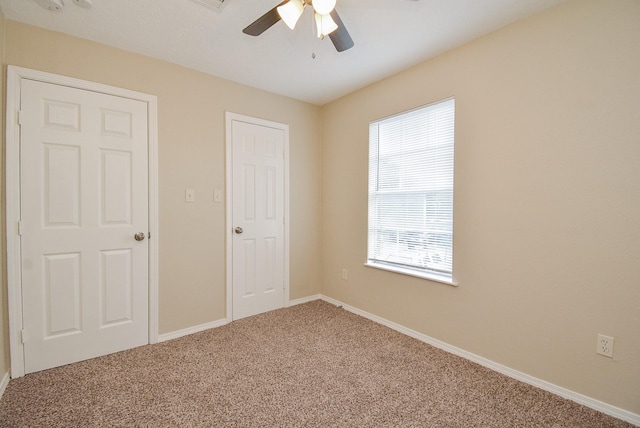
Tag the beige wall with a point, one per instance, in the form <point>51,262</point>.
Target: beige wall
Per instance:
<point>191,134</point>
<point>547,198</point>
<point>4,315</point>
<point>547,190</point>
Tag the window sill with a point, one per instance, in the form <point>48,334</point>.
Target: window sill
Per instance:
<point>414,273</point>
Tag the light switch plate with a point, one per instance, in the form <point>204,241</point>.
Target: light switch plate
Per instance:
<point>189,195</point>
<point>217,195</point>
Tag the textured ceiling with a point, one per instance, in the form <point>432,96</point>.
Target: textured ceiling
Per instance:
<point>389,35</point>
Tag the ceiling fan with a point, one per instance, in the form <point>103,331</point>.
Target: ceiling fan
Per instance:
<point>327,20</point>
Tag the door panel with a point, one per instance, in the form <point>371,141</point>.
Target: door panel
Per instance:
<point>258,209</point>
<point>61,185</point>
<point>115,188</point>
<point>62,294</point>
<point>116,286</point>
<point>84,195</point>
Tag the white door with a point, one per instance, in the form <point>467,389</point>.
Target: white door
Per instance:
<point>258,218</point>
<point>84,195</point>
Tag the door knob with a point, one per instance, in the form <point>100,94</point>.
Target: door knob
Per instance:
<point>238,230</point>
<point>139,236</point>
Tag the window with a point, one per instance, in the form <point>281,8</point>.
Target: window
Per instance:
<point>411,192</point>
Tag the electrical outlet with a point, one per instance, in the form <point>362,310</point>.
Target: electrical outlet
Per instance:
<point>605,345</point>
<point>345,274</point>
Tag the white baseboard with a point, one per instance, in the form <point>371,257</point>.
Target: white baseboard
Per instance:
<point>198,328</point>
<point>3,383</point>
<point>304,300</point>
<point>195,329</point>
<point>600,406</point>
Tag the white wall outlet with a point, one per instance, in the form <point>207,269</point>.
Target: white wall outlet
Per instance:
<point>605,345</point>
<point>345,274</point>
<point>189,195</point>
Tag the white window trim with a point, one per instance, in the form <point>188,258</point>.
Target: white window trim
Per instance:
<point>430,275</point>
<point>413,272</point>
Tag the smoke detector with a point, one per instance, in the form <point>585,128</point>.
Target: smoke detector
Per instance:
<point>87,4</point>
<point>52,5</point>
<point>211,4</point>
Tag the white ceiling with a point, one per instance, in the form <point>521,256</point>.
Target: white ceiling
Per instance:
<point>389,36</point>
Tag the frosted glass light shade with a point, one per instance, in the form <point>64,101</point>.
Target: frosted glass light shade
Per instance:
<point>290,12</point>
<point>325,25</point>
<point>323,7</point>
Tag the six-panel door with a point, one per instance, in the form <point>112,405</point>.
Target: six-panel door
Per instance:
<point>258,218</point>
<point>84,196</point>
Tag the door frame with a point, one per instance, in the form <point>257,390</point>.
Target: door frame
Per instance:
<point>15,75</point>
<point>229,118</point>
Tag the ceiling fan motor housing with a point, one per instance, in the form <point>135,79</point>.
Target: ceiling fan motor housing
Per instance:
<point>323,7</point>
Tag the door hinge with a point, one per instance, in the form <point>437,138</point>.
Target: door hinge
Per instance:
<point>19,117</point>
<point>23,336</point>
<point>20,228</point>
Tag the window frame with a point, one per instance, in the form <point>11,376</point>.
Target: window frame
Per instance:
<point>397,267</point>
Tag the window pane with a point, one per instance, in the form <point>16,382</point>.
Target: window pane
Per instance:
<point>411,189</point>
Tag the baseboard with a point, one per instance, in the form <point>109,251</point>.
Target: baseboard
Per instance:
<point>304,300</point>
<point>600,406</point>
<point>198,328</point>
<point>195,329</point>
<point>3,383</point>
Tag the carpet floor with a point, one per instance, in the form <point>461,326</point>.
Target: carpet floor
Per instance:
<point>311,365</point>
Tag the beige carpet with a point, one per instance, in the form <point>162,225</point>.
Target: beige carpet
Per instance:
<point>311,365</point>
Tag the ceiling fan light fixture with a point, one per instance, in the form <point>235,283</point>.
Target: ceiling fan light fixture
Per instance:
<point>323,7</point>
<point>325,25</point>
<point>290,12</point>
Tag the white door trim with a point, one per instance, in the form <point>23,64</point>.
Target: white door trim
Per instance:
<point>12,185</point>
<point>229,117</point>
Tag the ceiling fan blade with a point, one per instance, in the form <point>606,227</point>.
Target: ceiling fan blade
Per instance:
<point>265,22</point>
<point>340,37</point>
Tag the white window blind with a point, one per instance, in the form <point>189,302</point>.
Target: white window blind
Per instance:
<point>411,190</point>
